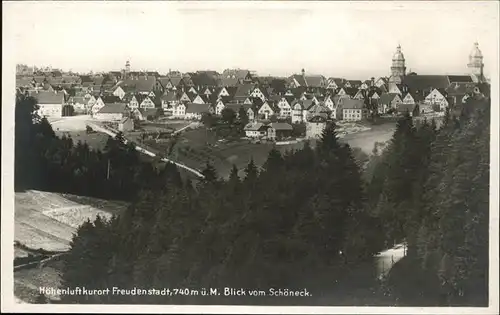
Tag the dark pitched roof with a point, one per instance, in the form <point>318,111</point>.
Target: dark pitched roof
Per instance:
<point>169,96</point>
<point>110,99</point>
<point>426,82</point>
<point>281,126</point>
<point>197,108</point>
<point>460,78</point>
<point>314,80</point>
<point>348,103</point>
<point>113,108</point>
<point>244,90</point>
<point>355,83</point>
<point>387,98</point>
<point>48,97</point>
<point>299,78</point>
<point>351,91</point>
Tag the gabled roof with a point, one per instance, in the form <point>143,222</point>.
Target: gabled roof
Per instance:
<point>299,78</point>
<point>387,98</point>
<point>350,91</point>
<point>197,108</point>
<point>48,97</point>
<point>426,82</point>
<point>110,99</point>
<point>314,80</point>
<point>229,82</point>
<point>355,82</point>
<point>281,126</point>
<point>417,97</point>
<point>254,126</point>
<point>348,103</point>
<point>238,74</point>
<point>113,108</point>
<point>169,96</point>
<point>244,90</point>
<point>460,78</point>
<point>176,80</point>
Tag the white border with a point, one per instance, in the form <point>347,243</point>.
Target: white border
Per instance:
<point>7,216</point>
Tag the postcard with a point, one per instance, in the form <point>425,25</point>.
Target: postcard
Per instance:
<point>250,157</point>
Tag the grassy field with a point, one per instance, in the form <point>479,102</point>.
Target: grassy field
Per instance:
<point>96,140</point>
<point>197,147</point>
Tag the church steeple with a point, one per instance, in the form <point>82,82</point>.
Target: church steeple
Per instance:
<point>398,68</point>
<point>476,64</point>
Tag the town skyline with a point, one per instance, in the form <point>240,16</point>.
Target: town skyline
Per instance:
<point>236,39</point>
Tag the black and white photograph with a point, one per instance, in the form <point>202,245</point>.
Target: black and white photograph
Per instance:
<point>250,156</point>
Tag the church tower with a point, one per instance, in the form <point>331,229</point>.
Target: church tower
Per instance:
<point>476,64</point>
<point>126,71</point>
<point>398,68</point>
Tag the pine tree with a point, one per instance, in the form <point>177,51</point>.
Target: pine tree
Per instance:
<point>209,173</point>
<point>251,172</point>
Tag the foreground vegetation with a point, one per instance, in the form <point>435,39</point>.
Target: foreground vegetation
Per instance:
<point>307,215</point>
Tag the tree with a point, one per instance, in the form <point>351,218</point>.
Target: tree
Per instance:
<point>298,130</point>
<point>228,116</point>
<point>209,173</point>
<point>233,176</point>
<point>208,120</point>
<point>251,172</point>
<point>68,110</point>
<point>243,116</point>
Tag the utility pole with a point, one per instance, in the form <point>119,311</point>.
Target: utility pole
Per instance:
<point>107,176</point>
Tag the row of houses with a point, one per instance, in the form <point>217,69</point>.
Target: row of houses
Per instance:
<point>147,93</point>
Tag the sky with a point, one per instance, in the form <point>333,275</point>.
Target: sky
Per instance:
<point>346,39</point>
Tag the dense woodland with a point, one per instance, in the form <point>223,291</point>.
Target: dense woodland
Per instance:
<point>281,225</point>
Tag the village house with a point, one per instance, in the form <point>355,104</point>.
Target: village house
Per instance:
<point>50,104</point>
<point>111,112</point>
<point>407,109</point>
<point>279,130</point>
<point>201,99</point>
<point>259,93</point>
<point>315,126</point>
<point>299,111</point>
<point>99,103</point>
<point>437,98</point>
<point>126,124</point>
<point>169,100</point>
<point>179,111</point>
<point>266,111</point>
<point>316,109</point>
<point>353,110</point>
<point>118,91</point>
<point>79,103</point>
<point>255,130</point>
<point>335,83</point>
<point>382,81</point>
<point>195,111</point>
<point>388,101</point>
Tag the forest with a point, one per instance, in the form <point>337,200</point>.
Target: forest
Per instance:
<point>288,224</point>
